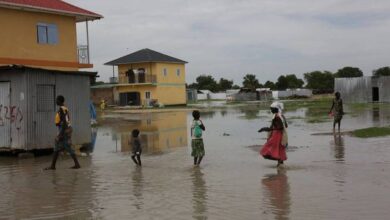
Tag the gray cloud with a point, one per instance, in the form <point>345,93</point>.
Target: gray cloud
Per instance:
<point>229,38</point>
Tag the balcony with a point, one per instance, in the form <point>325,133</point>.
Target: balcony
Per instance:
<point>137,79</point>
<point>83,56</point>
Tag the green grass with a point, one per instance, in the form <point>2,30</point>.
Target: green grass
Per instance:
<point>372,132</point>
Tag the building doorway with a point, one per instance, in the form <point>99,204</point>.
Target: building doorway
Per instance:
<point>130,98</point>
<point>375,94</point>
<point>130,76</point>
<point>141,75</point>
<point>5,108</point>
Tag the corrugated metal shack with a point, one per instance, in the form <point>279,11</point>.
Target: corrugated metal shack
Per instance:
<point>27,106</point>
<point>364,89</point>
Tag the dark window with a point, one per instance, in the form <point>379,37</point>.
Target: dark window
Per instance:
<point>46,98</point>
<point>47,33</point>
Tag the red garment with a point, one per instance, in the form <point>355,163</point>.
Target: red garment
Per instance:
<point>273,149</point>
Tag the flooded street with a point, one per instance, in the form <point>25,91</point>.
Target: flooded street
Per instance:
<point>325,176</point>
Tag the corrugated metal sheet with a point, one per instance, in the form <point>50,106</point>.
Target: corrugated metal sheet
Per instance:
<point>33,129</point>
<point>17,115</point>
<point>354,90</point>
<point>359,90</point>
<point>5,123</point>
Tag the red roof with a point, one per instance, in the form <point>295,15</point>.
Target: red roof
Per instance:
<point>51,6</point>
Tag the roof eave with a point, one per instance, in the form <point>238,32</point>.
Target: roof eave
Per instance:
<point>111,63</point>
<point>80,17</point>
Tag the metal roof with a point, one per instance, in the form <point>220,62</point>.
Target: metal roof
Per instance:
<point>145,56</point>
<point>51,6</point>
<point>21,67</point>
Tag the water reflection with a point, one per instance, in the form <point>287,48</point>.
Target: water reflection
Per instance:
<point>158,134</point>
<point>199,195</point>
<point>138,182</point>
<point>277,194</point>
<point>338,147</point>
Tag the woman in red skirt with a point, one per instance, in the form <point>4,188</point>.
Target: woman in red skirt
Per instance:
<point>275,148</point>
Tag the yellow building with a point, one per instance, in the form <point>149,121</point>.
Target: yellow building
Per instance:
<point>42,34</point>
<point>147,78</point>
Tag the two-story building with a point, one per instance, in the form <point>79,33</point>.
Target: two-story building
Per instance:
<point>40,59</point>
<point>146,78</point>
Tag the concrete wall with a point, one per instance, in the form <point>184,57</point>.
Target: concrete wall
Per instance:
<point>384,88</point>
<point>19,42</point>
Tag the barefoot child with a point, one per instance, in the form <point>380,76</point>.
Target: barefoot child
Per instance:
<point>136,147</point>
<point>197,145</point>
<point>337,111</point>
<point>63,140</point>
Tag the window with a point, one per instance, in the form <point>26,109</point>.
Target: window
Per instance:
<point>46,98</point>
<point>165,71</point>
<point>47,33</point>
<point>147,95</point>
<point>178,72</point>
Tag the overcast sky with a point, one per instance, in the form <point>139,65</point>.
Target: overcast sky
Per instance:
<point>230,38</point>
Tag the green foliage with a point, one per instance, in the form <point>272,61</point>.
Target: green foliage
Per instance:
<point>225,84</point>
<point>289,82</point>
<point>251,82</point>
<point>205,82</point>
<point>320,80</point>
<point>348,72</point>
<point>383,71</point>
<point>372,132</point>
<point>270,85</point>
<point>236,87</point>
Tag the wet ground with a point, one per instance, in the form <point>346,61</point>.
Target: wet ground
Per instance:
<point>325,176</point>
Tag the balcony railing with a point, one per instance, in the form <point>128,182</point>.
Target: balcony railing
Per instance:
<point>136,79</point>
<point>83,54</point>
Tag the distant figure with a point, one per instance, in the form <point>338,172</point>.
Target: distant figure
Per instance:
<point>63,141</point>
<point>275,147</point>
<point>102,104</point>
<point>197,145</point>
<point>92,112</point>
<point>136,147</point>
<point>337,111</point>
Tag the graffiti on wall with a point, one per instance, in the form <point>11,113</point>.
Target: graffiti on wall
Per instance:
<point>13,114</point>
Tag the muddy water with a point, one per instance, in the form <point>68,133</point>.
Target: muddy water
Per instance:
<point>326,176</point>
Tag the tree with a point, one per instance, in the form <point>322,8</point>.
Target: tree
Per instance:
<point>270,85</point>
<point>348,71</point>
<point>289,82</point>
<point>206,82</point>
<point>383,71</point>
<point>225,84</point>
<point>236,87</point>
<point>322,81</point>
<point>250,82</point>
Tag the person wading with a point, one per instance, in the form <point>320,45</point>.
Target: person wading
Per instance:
<point>63,141</point>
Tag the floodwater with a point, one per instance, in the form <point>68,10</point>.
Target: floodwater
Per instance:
<point>325,176</point>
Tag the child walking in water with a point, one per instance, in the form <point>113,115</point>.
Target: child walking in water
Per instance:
<point>337,111</point>
<point>63,141</point>
<point>197,145</point>
<point>136,147</point>
<point>275,147</point>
